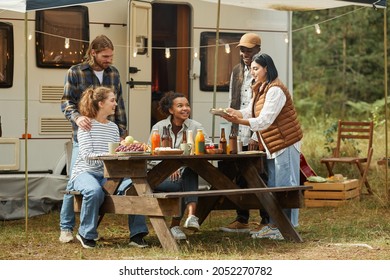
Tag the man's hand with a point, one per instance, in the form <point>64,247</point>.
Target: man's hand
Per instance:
<point>84,123</point>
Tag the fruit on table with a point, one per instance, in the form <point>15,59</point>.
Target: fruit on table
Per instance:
<point>129,139</point>
<point>135,147</point>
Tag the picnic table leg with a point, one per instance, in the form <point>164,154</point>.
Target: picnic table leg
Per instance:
<point>205,206</point>
<point>160,227</point>
<point>164,234</point>
<point>269,202</point>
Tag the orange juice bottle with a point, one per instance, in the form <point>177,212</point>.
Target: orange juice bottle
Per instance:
<point>199,142</point>
<point>155,139</point>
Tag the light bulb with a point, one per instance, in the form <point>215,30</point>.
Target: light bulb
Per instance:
<point>167,53</point>
<point>195,52</point>
<point>227,48</point>
<point>318,29</point>
<point>67,43</point>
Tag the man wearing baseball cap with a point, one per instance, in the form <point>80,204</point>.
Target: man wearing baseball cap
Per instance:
<point>240,94</point>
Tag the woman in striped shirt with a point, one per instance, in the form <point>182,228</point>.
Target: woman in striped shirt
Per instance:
<point>87,175</point>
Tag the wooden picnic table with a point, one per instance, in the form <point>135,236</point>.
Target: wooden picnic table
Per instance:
<point>159,205</point>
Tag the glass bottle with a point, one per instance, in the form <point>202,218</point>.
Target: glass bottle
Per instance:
<point>184,137</point>
<point>233,141</point>
<point>239,144</point>
<point>223,142</point>
<point>199,142</point>
<point>165,137</point>
<point>190,140</point>
<point>155,139</point>
<point>169,138</point>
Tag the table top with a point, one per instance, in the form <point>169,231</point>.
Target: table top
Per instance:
<point>148,156</point>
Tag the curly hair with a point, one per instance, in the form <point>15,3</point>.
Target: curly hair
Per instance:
<point>166,101</point>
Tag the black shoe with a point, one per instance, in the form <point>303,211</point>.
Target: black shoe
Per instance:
<point>138,241</point>
<point>86,243</point>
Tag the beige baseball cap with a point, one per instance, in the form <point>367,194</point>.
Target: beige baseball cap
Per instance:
<point>249,40</point>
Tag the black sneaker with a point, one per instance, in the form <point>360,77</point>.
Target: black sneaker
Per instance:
<point>86,243</point>
<point>138,241</point>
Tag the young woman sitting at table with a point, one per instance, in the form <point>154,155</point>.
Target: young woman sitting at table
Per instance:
<point>87,175</point>
<point>177,109</point>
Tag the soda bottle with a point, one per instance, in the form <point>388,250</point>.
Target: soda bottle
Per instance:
<point>223,142</point>
<point>165,137</point>
<point>155,139</point>
<point>233,141</point>
<point>199,142</point>
<point>184,138</point>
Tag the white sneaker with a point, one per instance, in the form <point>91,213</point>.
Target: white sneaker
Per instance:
<point>66,236</point>
<point>192,223</point>
<point>177,233</point>
<point>268,232</point>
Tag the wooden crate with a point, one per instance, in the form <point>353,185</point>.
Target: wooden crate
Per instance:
<point>331,194</point>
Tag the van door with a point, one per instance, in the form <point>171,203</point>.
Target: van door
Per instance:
<point>139,69</point>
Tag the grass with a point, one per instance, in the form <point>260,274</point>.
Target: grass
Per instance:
<point>358,230</point>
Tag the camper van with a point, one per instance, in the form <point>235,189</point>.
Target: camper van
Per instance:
<point>159,46</point>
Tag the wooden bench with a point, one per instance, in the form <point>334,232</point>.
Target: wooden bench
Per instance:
<point>169,203</point>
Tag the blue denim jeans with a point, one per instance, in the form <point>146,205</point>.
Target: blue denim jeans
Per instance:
<point>137,223</point>
<point>90,187</point>
<point>189,181</point>
<point>284,171</point>
<point>67,217</point>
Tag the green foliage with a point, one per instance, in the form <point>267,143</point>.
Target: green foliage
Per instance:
<point>341,65</point>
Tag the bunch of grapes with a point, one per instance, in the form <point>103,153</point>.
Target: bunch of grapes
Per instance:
<point>135,147</point>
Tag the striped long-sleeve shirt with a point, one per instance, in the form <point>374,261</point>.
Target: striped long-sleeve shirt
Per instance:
<point>94,143</point>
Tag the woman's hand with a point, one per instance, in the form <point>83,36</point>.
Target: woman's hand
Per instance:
<point>232,115</point>
<point>175,176</point>
<point>253,145</point>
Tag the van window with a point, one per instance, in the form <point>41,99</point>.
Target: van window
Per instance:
<point>226,61</point>
<point>6,55</point>
<point>62,36</point>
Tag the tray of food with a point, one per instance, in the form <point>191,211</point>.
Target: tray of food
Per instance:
<point>167,151</point>
<point>219,112</point>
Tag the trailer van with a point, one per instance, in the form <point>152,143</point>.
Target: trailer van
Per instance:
<point>159,46</point>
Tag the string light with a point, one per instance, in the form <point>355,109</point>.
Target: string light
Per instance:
<point>318,29</point>
<point>227,48</point>
<point>67,43</point>
<point>167,53</point>
<point>195,50</point>
<point>29,37</point>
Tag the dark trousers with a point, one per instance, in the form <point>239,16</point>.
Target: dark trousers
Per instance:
<point>243,215</point>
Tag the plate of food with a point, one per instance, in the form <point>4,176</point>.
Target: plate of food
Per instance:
<point>219,112</point>
<point>167,151</point>
<point>132,153</point>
